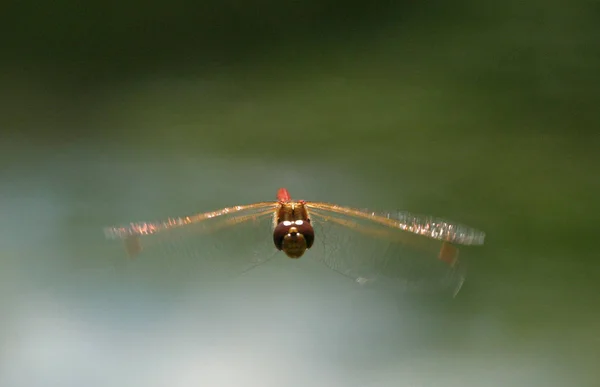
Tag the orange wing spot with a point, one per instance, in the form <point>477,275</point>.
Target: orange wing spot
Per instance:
<point>448,253</point>
<point>283,195</point>
<point>133,246</point>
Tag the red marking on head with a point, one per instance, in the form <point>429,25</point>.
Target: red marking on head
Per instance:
<point>283,195</point>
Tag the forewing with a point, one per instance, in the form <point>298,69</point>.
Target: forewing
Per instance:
<point>417,225</point>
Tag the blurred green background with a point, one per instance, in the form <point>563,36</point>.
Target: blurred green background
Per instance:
<point>479,111</point>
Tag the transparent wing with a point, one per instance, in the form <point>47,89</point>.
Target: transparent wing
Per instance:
<point>236,214</point>
<point>204,246</point>
<point>399,251</point>
<point>422,225</point>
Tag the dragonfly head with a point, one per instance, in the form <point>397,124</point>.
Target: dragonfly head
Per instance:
<point>294,237</point>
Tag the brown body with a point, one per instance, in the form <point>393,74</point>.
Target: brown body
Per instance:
<point>291,211</point>
<point>292,232</point>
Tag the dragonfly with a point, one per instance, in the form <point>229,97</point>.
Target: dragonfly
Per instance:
<point>293,225</point>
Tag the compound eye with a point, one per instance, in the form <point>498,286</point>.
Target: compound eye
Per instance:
<point>280,231</point>
<point>306,229</point>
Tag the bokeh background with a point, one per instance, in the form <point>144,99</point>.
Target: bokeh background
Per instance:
<point>480,111</point>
